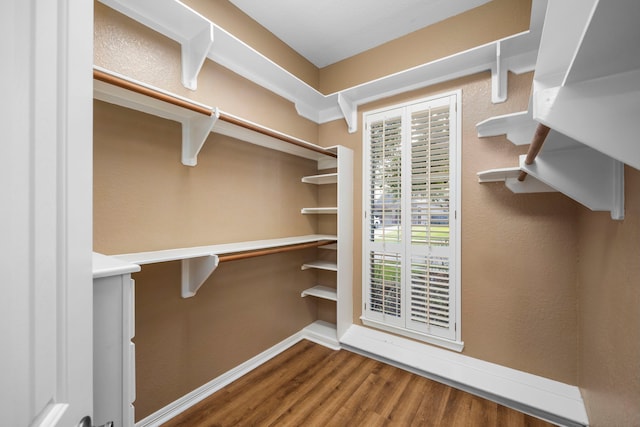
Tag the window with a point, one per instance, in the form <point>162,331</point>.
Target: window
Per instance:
<point>411,239</point>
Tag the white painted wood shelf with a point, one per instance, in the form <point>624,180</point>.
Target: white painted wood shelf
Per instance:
<point>328,178</point>
<point>586,89</point>
<point>320,265</point>
<point>323,292</point>
<point>200,38</point>
<point>319,211</point>
<point>510,178</point>
<point>199,120</point>
<point>323,333</point>
<point>165,255</point>
<point>199,262</point>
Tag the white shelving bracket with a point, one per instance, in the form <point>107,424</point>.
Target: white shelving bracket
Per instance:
<point>349,111</point>
<point>499,73</point>
<point>196,271</point>
<point>583,174</point>
<point>195,131</point>
<point>194,52</point>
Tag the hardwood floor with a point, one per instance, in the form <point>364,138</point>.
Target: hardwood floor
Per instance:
<point>310,385</point>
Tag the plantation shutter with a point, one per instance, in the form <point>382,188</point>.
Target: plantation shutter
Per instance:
<point>429,300</point>
<point>409,256</point>
<point>385,218</point>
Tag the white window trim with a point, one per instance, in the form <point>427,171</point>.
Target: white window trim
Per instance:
<point>456,344</point>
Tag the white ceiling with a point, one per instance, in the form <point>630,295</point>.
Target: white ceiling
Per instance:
<point>327,31</point>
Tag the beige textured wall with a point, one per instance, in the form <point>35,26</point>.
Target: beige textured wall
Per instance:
<point>609,311</point>
<point>518,251</point>
<point>491,21</point>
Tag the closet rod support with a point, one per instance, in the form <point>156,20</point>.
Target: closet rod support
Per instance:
<point>196,271</point>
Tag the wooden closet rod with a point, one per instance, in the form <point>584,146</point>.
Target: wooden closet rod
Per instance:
<point>134,87</point>
<point>161,96</point>
<point>260,252</point>
<point>268,132</point>
<point>536,144</point>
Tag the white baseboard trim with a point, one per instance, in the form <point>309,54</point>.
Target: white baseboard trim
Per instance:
<point>318,332</point>
<point>550,400</point>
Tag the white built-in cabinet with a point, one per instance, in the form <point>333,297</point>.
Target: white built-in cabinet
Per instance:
<point>113,352</point>
<point>114,318</point>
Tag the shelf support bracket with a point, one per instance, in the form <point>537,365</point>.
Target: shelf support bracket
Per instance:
<point>196,271</point>
<point>194,52</point>
<point>194,133</point>
<point>349,111</point>
<point>499,73</point>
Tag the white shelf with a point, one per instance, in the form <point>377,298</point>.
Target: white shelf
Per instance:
<point>320,291</point>
<point>320,265</point>
<point>586,89</point>
<point>197,125</point>
<point>321,211</point>
<point>107,266</point>
<point>165,255</point>
<point>200,261</point>
<point>510,178</point>
<point>587,79</point>
<point>518,127</point>
<point>327,178</point>
<point>323,333</point>
<point>177,21</point>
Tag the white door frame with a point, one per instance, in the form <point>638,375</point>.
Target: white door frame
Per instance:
<point>46,211</point>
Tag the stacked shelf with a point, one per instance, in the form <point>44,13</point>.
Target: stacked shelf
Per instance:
<point>340,262</point>
<point>585,90</point>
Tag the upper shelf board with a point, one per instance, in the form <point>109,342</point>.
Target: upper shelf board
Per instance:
<point>328,178</point>
<point>107,266</point>
<point>198,263</point>
<point>510,178</point>
<point>587,78</point>
<point>224,248</point>
<point>201,38</point>
<point>198,120</point>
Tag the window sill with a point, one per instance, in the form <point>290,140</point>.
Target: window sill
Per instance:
<point>429,339</point>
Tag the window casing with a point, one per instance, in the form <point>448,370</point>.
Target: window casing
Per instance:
<point>411,189</point>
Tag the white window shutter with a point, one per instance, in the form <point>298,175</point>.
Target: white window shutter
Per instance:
<point>410,159</point>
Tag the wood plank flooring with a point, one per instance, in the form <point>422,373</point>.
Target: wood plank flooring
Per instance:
<point>310,385</point>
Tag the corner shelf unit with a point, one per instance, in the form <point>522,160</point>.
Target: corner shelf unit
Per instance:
<point>343,266</point>
<point>586,89</point>
<point>200,39</point>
